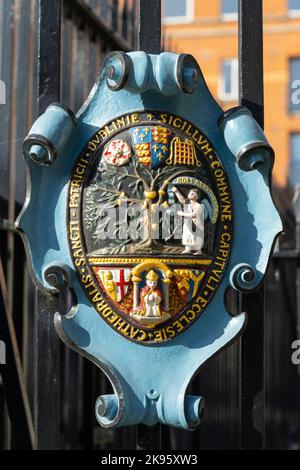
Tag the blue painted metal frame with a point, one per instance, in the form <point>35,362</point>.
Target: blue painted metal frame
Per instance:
<point>149,382</point>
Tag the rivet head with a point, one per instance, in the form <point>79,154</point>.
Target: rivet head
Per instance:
<point>152,394</point>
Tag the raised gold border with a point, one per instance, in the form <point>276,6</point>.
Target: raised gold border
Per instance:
<point>175,261</point>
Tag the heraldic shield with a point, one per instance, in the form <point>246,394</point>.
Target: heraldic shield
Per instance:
<point>150,204</point>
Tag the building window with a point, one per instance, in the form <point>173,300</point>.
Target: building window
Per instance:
<point>229,81</point>
<point>294,7</point>
<point>294,177</point>
<point>294,85</point>
<point>229,9</point>
<point>178,11</point>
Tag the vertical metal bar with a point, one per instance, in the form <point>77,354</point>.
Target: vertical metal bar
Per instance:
<point>49,53</point>
<point>296,205</point>
<point>252,342</point>
<point>7,36</point>
<point>47,416</point>
<point>12,150</point>
<point>148,438</point>
<point>15,74</point>
<point>149,40</point>
<point>251,57</point>
<point>72,397</point>
<point>47,408</point>
<point>149,26</point>
<point>87,405</point>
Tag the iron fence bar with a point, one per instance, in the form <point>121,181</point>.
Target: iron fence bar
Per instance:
<point>149,40</point>
<point>12,377</point>
<point>296,207</point>
<point>149,438</point>
<point>251,94</point>
<point>47,383</point>
<point>149,26</point>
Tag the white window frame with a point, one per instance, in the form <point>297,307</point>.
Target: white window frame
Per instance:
<point>293,13</point>
<point>228,16</point>
<point>291,157</point>
<point>293,88</point>
<point>188,18</point>
<point>233,96</point>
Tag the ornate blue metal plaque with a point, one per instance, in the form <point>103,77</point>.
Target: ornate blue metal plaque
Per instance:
<point>142,210</point>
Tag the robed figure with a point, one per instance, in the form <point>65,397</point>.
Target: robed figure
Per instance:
<point>193,225</point>
<point>150,297</point>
